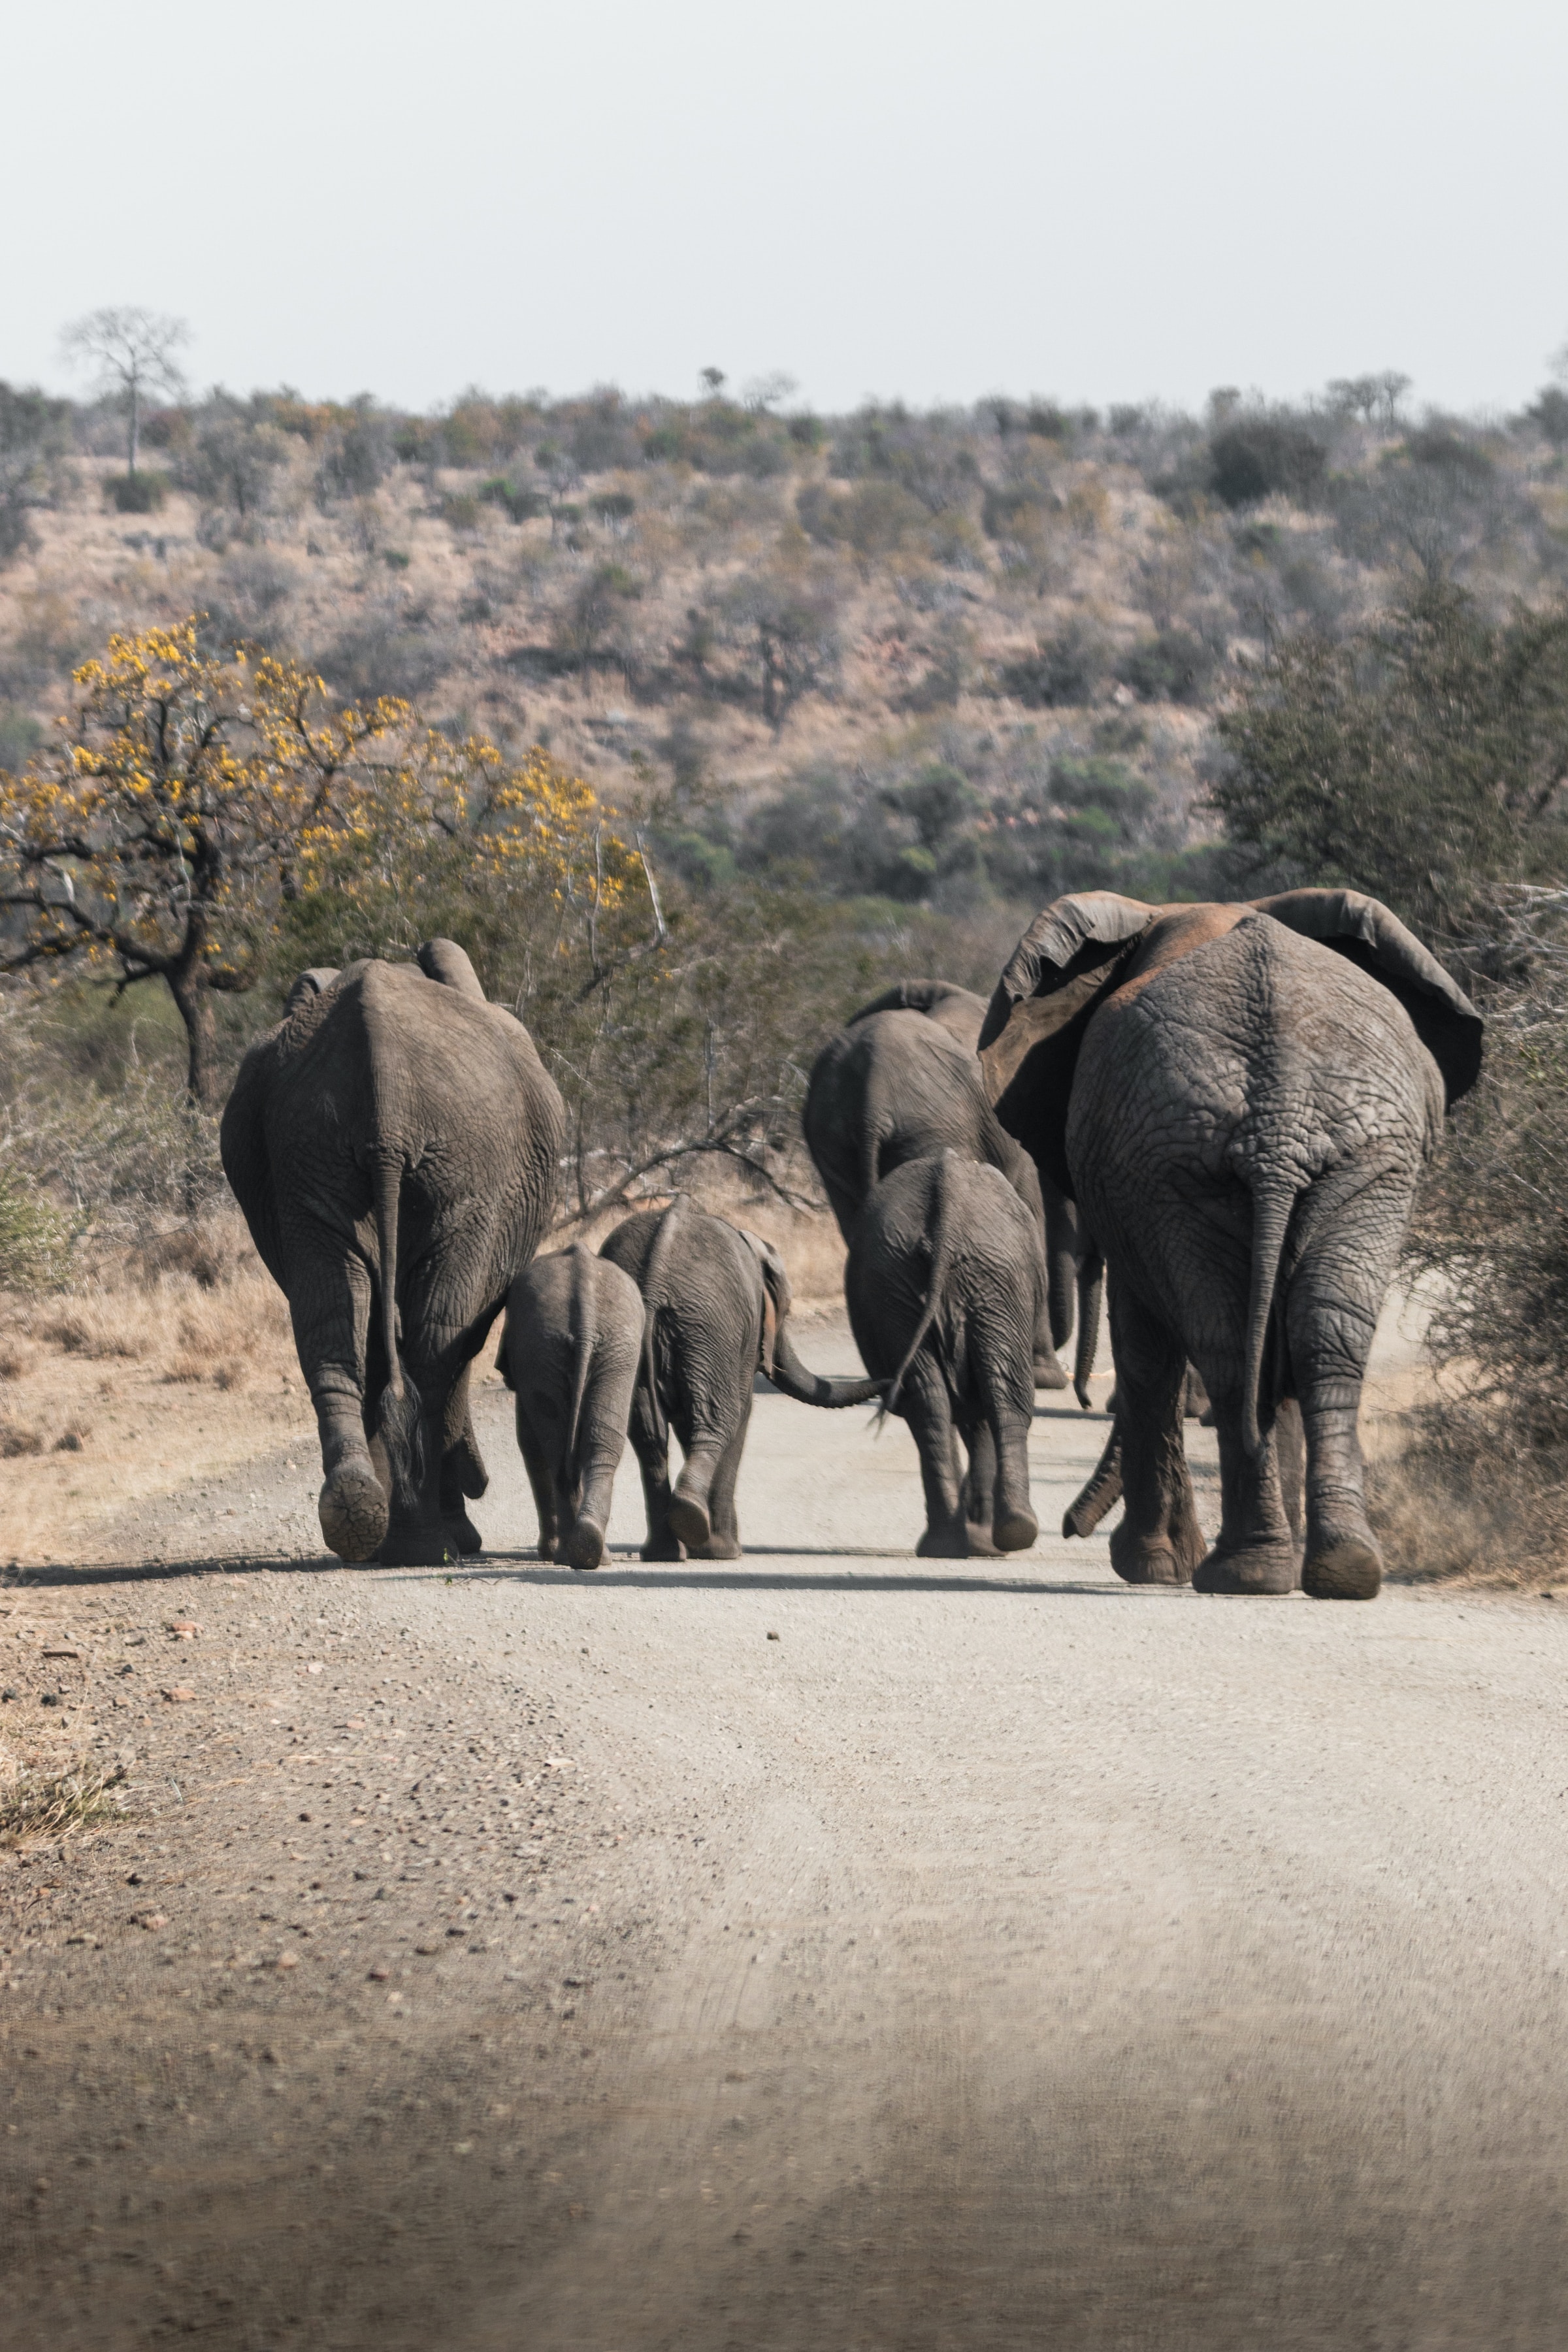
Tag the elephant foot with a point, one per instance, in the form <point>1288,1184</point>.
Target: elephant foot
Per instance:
<point>977,1541</point>
<point>1256,1568</point>
<point>1014,1530</point>
<point>546,1547</point>
<point>417,1547</point>
<point>688,1520</point>
<point>461,1534</point>
<point>584,1547</point>
<point>666,1548</point>
<point>949,1542</point>
<point>1148,1559</point>
<point>354,1510</point>
<point>1049,1373</point>
<point>1347,1566</point>
<point>716,1547</point>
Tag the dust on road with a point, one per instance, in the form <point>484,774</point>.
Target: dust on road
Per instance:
<point>997,1957</point>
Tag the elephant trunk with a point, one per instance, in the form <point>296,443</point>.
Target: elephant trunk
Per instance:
<point>791,1376</point>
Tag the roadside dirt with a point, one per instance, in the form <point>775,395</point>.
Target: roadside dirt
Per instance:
<point>831,1950</point>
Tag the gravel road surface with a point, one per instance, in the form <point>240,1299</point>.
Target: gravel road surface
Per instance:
<point>828,1950</point>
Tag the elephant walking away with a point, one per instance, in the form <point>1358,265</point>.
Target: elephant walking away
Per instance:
<point>570,1355</point>
<point>1241,1099</point>
<point>944,1283</point>
<point>716,1303</point>
<point>394,1144</point>
<point>901,1081</point>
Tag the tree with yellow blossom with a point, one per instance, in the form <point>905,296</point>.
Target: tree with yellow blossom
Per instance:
<point>161,833</point>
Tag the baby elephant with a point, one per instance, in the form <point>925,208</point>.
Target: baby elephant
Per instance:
<point>717,1301</point>
<point>944,1285</point>
<point>570,1355</point>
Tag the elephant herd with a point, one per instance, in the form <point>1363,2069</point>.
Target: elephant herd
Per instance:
<point>1226,1107</point>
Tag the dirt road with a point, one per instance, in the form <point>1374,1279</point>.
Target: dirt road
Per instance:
<point>997,1957</point>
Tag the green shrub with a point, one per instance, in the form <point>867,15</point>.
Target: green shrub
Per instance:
<point>137,493</point>
<point>1259,456</point>
<point>1173,666</point>
<point>1063,672</point>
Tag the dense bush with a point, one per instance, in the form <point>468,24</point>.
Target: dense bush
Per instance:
<point>1422,757</point>
<point>1258,457</point>
<point>1064,671</point>
<point>141,493</point>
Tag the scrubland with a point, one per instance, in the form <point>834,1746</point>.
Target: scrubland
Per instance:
<point>850,698</point>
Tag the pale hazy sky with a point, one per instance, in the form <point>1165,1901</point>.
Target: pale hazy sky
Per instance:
<point>1101,201</point>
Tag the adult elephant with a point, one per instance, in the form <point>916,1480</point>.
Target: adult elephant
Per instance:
<point>394,1144</point>
<point>1240,1099</point>
<point>900,1082</point>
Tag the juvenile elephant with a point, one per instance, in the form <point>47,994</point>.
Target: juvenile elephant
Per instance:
<point>900,1081</point>
<point>716,1307</point>
<point>393,1143</point>
<point>944,1283</point>
<point>570,1354</point>
<point>1241,1097</point>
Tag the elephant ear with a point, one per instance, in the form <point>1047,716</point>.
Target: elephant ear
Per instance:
<point>775,1292</point>
<point>1363,931</point>
<point>445,960</point>
<point>310,985</point>
<point>1066,962</point>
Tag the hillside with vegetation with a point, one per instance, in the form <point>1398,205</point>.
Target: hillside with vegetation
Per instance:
<point>699,721</point>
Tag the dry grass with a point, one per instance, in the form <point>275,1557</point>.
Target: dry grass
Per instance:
<point>48,1801</point>
<point>177,1361</point>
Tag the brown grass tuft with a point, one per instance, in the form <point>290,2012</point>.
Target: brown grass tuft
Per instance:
<point>70,1440</point>
<point>14,1360</point>
<point>38,1802</point>
<point>15,1440</point>
<point>185,1367</point>
<point>94,1325</point>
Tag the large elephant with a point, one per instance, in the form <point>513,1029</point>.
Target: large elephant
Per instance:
<point>1240,1099</point>
<point>716,1302</point>
<point>898,1082</point>
<point>944,1285</point>
<point>570,1354</point>
<point>394,1144</point>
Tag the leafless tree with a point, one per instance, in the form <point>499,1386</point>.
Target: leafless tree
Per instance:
<point>131,352</point>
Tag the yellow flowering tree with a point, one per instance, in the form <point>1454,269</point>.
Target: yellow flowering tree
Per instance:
<point>162,832</point>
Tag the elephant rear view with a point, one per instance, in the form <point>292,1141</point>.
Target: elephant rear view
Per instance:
<point>394,1144</point>
<point>944,1283</point>
<point>716,1302</point>
<point>1241,1097</point>
<point>901,1081</point>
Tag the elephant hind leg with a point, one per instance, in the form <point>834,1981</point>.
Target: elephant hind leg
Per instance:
<point>1158,1540</point>
<point>724,1538</point>
<point>695,1505</point>
<point>1256,1551</point>
<point>928,1409</point>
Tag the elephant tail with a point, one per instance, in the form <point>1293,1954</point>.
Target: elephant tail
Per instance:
<point>1091,1292</point>
<point>398,1413</point>
<point>1102,1492</point>
<point>941,1266</point>
<point>653,1274</point>
<point>794,1378</point>
<point>1272,1206</point>
<point>580,1315</point>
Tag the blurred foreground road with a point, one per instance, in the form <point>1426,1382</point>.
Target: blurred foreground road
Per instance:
<point>997,1958</point>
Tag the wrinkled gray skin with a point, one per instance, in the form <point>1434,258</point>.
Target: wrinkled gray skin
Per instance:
<point>944,1284</point>
<point>570,1354</point>
<point>393,1143</point>
<point>716,1306</point>
<point>898,1082</point>
<point>1246,1113</point>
